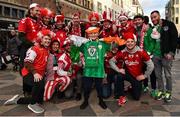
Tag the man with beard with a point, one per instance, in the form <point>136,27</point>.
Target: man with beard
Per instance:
<point>33,73</point>
<point>46,18</point>
<point>76,27</point>
<point>28,28</point>
<point>141,29</point>
<point>134,59</point>
<point>162,44</point>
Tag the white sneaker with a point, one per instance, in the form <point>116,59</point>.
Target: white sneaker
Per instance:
<point>35,108</point>
<point>13,100</point>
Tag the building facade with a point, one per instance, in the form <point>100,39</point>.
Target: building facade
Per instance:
<point>133,7</point>
<point>11,11</point>
<point>172,12</point>
<point>112,7</point>
<point>69,7</point>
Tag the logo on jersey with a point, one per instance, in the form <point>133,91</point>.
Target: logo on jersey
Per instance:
<point>92,50</point>
<point>165,28</point>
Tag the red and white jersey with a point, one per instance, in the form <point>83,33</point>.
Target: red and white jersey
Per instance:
<point>30,27</point>
<point>64,64</point>
<point>133,61</point>
<point>38,56</point>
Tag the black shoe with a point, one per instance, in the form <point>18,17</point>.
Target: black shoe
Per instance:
<point>102,104</point>
<point>78,97</point>
<point>84,105</point>
<point>3,67</point>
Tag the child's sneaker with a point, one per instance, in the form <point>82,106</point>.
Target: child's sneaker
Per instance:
<point>35,108</point>
<point>122,100</point>
<point>145,89</point>
<point>167,97</point>
<point>154,93</point>
<point>160,95</point>
<point>13,100</point>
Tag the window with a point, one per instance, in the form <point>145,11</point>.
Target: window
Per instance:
<point>177,10</point>
<point>99,7</point>
<point>21,13</point>
<point>177,1</point>
<point>177,20</point>
<point>0,10</point>
<point>6,11</point>
<point>83,2</point>
<point>88,4</point>
<point>14,12</point>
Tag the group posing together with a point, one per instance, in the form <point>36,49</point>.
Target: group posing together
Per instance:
<point>71,59</point>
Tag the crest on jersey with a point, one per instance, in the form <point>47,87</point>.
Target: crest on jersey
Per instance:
<point>92,50</point>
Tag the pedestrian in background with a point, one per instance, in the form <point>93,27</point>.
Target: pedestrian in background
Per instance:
<point>13,45</point>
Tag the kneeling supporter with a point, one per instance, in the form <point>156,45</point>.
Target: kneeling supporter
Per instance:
<point>133,58</point>
<point>33,73</point>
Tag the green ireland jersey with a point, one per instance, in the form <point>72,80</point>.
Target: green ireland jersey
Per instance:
<point>94,52</point>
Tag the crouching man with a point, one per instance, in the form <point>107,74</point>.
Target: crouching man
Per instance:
<point>33,73</point>
<point>133,58</point>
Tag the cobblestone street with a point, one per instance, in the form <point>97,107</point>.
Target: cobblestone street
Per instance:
<point>10,84</point>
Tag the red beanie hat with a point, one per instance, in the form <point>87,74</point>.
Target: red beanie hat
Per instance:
<point>59,18</point>
<point>130,35</point>
<point>45,32</point>
<point>46,12</point>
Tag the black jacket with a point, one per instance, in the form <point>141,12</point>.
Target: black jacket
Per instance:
<point>169,35</point>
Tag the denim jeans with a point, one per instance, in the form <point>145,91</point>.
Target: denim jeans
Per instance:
<point>107,88</point>
<point>163,65</point>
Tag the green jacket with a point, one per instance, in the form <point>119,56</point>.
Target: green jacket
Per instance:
<point>152,46</point>
<point>94,52</point>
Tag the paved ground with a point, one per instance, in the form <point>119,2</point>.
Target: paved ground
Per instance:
<point>10,84</point>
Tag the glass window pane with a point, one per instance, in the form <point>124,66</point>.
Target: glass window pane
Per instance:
<point>6,11</point>
<point>21,13</point>
<point>0,10</point>
<point>14,12</point>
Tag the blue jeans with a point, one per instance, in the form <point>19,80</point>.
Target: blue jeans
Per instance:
<point>107,88</point>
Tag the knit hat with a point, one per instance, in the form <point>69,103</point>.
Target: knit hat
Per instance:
<point>130,35</point>
<point>123,15</point>
<point>67,42</point>
<point>45,32</point>
<point>33,5</point>
<point>92,30</point>
<point>93,14</point>
<point>46,12</point>
<point>59,18</point>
